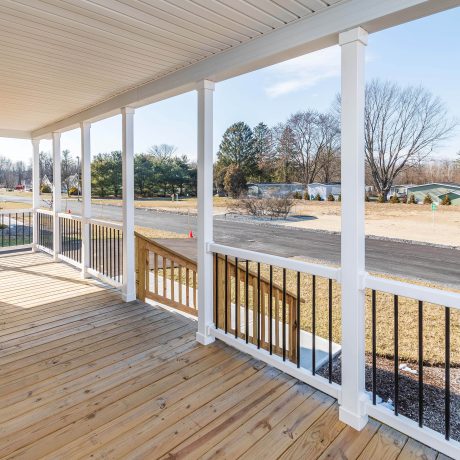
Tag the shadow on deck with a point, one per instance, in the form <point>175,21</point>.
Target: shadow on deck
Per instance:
<point>85,375</point>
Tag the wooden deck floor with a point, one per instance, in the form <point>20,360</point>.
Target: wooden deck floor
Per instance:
<point>84,375</point>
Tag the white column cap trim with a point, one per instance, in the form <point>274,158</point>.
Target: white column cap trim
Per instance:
<point>128,110</point>
<point>354,35</point>
<point>205,84</point>
<point>35,142</point>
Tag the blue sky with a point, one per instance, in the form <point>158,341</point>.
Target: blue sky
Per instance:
<point>423,52</point>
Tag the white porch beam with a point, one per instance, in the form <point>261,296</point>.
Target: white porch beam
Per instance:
<point>129,288</point>
<point>85,132</point>
<point>303,36</point>
<point>352,409</point>
<point>57,198</point>
<point>15,134</point>
<point>205,211</point>
<point>35,189</point>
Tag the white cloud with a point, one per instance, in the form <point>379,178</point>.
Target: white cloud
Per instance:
<point>303,72</point>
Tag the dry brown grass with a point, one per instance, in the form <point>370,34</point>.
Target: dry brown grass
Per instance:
<point>155,233</point>
<point>6,205</point>
<point>433,321</point>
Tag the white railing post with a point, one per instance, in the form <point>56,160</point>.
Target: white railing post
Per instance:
<point>85,131</point>
<point>57,199</point>
<point>353,396</point>
<point>35,190</point>
<point>129,288</point>
<point>205,211</point>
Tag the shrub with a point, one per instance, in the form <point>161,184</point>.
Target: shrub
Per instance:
<point>297,196</point>
<point>411,199</point>
<point>234,181</point>
<point>340,197</point>
<point>427,199</point>
<point>45,189</point>
<point>273,207</point>
<point>330,197</point>
<point>318,197</point>
<point>306,196</point>
<point>73,191</point>
<point>381,199</point>
<point>394,199</point>
<point>446,201</point>
<point>3,226</point>
<point>366,198</point>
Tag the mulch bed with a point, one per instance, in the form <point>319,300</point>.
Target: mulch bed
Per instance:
<point>433,379</point>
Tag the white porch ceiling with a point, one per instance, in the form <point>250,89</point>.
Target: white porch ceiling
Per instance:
<point>67,61</point>
<point>59,57</point>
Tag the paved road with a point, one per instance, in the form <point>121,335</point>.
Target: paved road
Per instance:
<point>440,265</point>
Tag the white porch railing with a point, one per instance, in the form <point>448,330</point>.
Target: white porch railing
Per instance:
<point>16,229</point>
<point>440,440</point>
<point>105,260</point>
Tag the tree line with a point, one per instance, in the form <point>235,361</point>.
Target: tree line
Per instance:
<point>403,127</point>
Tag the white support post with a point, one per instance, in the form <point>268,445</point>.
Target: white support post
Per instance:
<point>35,190</point>
<point>57,199</point>
<point>129,280</point>
<point>205,211</point>
<point>353,397</point>
<point>85,131</point>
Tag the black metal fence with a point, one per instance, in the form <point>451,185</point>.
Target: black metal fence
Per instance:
<point>70,238</point>
<point>402,387</point>
<point>286,312</point>
<point>45,224</point>
<point>106,251</point>
<point>16,228</point>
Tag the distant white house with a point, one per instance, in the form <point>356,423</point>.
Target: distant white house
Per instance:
<point>264,190</point>
<point>324,190</point>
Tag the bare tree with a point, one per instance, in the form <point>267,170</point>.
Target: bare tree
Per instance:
<point>402,128</point>
<point>313,144</point>
<point>162,152</point>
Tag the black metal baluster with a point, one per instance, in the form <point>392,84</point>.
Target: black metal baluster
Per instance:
<point>216,290</point>
<point>270,303</point>
<point>110,252</point>
<point>23,233</point>
<point>9,229</point>
<point>258,305</point>
<point>118,262</point>
<point>298,320</point>
<point>396,355</point>
<point>226,294</point>
<point>420,364</point>
<point>374,348</point>
<point>246,293</point>
<point>30,227</point>
<point>313,324</point>
<point>3,235</point>
<point>237,297</point>
<point>284,314</point>
<point>330,331</point>
<point>447,375</point>
<point>16,229</point>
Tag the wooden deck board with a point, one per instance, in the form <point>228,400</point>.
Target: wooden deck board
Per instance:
<point>84,374</point>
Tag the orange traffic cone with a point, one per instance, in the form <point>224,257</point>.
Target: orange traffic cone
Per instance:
<point>190,234</point>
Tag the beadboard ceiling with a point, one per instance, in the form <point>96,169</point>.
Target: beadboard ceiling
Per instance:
<point>59,57</point>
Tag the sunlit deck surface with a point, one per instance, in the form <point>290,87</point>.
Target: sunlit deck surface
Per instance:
<point>84,375</point>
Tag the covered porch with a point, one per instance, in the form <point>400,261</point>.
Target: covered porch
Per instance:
<point>88,368</point>
<point>86,375</point>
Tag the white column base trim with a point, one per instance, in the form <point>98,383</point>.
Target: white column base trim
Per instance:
<point>356,421</point>
<point>128,297</point>
<point>204,339</point>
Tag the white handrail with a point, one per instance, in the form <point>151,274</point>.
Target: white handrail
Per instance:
<point>66,215</point>
<point>412,291</point>
<point>283,262</point>
<point>105,223</point>
<point>45,211</point>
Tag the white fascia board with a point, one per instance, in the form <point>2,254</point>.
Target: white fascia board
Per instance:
<point>15,134</point>
<point>303,36</point>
